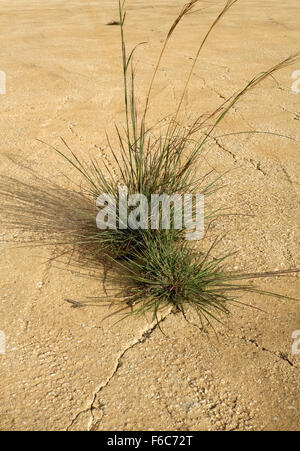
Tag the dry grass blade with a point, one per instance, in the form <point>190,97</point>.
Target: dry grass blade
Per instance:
<point>188,7</point>
<point>228,5</point>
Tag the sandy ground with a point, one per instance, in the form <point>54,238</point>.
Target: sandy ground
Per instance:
<point>65,369</point>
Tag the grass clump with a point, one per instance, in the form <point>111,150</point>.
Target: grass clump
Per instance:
<point>168,275</point>
<point>162,269</point>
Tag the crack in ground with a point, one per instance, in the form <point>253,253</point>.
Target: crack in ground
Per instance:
<point>296,115</point>
<point>93,423</point>
<point>279,354</point>
<point>288,177</point>
<point>256,164</point>
<point>224,148</point>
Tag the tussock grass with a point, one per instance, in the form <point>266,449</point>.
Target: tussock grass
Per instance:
<point>162,269</point>
<point>165,275</point>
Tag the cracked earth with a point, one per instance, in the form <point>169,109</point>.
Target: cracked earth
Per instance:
<point>67,369</point>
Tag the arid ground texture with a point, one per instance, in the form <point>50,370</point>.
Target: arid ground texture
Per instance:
<point>66,369</point>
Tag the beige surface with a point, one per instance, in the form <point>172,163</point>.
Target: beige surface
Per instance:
<point>64,368</point>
